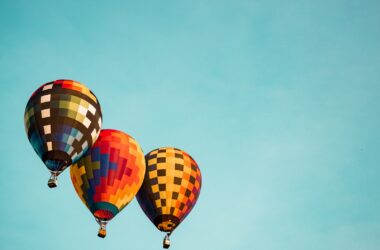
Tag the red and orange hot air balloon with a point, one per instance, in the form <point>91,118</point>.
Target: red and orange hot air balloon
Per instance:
<point>109,175</point>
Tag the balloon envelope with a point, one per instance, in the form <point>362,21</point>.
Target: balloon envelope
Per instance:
<point>171,187</point>
<point>62,120</point>
<point>109,175</point>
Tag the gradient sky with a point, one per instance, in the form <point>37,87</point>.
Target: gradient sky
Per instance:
<point>278,102</point>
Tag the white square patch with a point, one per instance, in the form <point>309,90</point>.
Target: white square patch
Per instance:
<point>79,136</point>
<point>91,109</point>
<point>93,134</point>
<point>86,122</point>
<point>70,150</point>
<point>47,129</point>
<point>85,145</point>
<point>45,113</point>
<point>45,98</point>
<point>74,156</point>
<point>82,110</point>
<point>49,86</point>
<point>70,140</point>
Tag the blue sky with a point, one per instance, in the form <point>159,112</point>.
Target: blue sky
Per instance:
<point>278,101</point>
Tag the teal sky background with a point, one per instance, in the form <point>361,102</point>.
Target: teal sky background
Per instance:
<point>277,101</point>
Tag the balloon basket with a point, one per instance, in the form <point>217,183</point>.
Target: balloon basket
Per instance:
<point>166,242</point>
<point>102,233</point>
<point>53,181</point>
<point>102,230</point>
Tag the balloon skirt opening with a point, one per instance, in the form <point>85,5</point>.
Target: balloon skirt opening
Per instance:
<point>103,214</point>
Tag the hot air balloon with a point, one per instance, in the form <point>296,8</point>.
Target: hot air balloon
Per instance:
<point>62,120</point>
<point>109,175</point>
<point>170,189</point>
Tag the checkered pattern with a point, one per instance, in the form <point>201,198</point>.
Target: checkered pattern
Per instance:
<point>109,175</point>
<point>171,187</point>
<point>62,119</point>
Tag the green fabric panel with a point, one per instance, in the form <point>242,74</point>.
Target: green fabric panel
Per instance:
<point>105,206</point>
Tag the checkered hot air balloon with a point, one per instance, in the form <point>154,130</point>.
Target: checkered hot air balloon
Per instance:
<point>109,175</point>
<point>170,189</point>
<point>62,120</point>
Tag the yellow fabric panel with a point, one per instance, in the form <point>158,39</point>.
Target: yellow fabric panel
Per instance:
<point>152,174</point>
<point>155,188</point>
<point>85,90</point>
<point>73,106</point>
<point>152,161</point>
<point>88,165</point>
<point>78,172</point>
